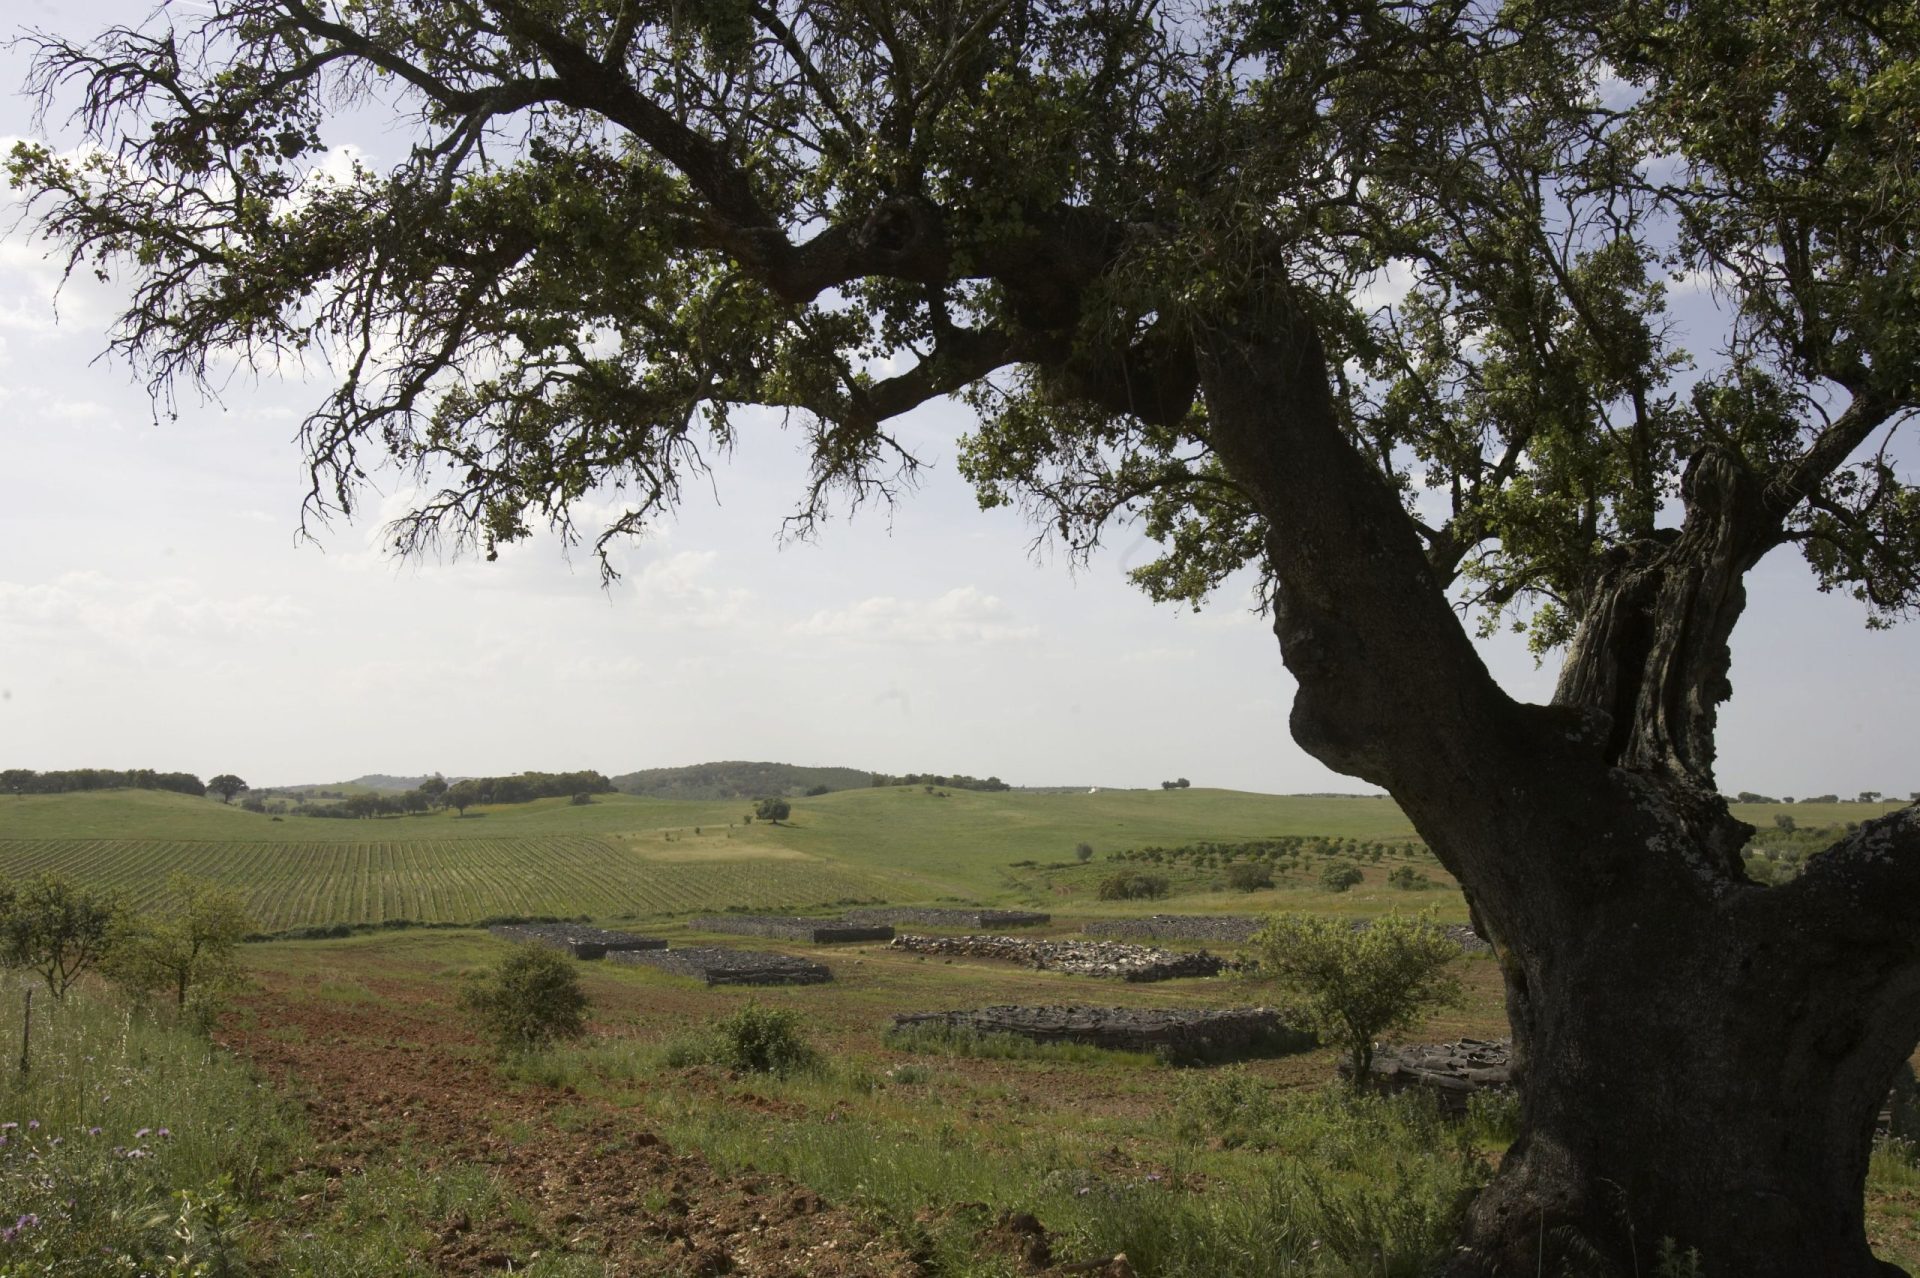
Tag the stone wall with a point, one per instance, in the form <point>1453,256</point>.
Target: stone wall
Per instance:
<point>718,966</point>
<point>576,939</point>
<point>928,916</point>
<point>1181,1033</point>
<point>1081,958</point>
<point>1222,929</point>
<point>788,928</point>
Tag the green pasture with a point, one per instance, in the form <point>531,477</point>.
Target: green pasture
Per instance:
<point>627,857</point>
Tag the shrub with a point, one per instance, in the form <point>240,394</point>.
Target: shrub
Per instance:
<point>1132,885</point>
<point>190,947</point>
<point>772,809</point>
<point>1338,877</point>
<point>581,800</point>
<point>1352,985</point>
<point>1083,852</point>
<point>1407,879</point>
<point>532,999</point>
<point>1249,876</point>
<point>764,1040</point>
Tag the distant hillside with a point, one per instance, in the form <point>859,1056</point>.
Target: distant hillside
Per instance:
<point>381,781</point>
<point>735,779</point>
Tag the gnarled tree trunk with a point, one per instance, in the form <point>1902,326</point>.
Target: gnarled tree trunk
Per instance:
<point>1701,1058</point>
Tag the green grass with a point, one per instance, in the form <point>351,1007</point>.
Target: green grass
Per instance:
<point>622,856</point>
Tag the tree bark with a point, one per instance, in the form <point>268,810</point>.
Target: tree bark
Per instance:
<point>1701,1059</point>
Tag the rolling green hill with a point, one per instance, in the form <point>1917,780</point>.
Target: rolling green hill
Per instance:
<point>624,855</point>
<point>736,779</point>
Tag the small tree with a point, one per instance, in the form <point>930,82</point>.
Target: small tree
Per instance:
<point>190,946</point>
<point>226,785</point>
<point>1338,877</point>
<point>1083,852</point>
<point>461,795</point>
<point>1249,876</point>
<point>1181,783</point>
<point>51,927</point>
<point>532,999</point>
<point>775,810</point>
<point>1784,821</point>
<point>1350,986</point>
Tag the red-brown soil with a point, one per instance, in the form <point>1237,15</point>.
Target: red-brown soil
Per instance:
<point>385,1079</point>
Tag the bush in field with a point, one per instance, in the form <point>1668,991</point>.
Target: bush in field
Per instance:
<point>1132,885</point>
<point>531,1000</point>
<point>772,809</point>
<point>49,926</point>
<point>1338,877</point>
<point>1351,986</point>
<point>1249,876</point>
<point>1407,879</point>
<point>764,1040</point>
<point>1083,852</point>
<point>189,945</point>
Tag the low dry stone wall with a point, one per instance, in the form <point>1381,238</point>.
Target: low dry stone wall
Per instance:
<point>718,966</point>
<point>785,928</point>
<point>581,942</point>
<point>1222,929</point>
<point>1236,929</point>
<point>1081,958</point>
<point>1129,1029</point>
<point>931,917</point>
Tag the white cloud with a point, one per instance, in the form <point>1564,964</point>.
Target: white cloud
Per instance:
<point>964,615</point>
<point>133,613</point>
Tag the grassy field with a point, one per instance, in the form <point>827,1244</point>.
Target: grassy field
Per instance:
<point>623,857</point>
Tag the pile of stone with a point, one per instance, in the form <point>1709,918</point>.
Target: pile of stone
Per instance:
<point>928,916</point>
<point>1222,929</point>
<point>576,939</point>
<point>790,928</point>
<point>717,966</point>
<point>1183,1033</point>
<point>1080,958</point>
<point>1453,1072</point>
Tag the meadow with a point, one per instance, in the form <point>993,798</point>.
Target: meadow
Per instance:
<point>625,858</point>
<point>348,1122</point>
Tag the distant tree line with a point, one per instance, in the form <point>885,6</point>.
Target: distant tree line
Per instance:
<point>436,792</point>
<point>1865,796</point>
<point>956,782</point>
<point>27,781</point>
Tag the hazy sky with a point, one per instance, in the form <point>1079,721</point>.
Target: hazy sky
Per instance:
<point>156,609</point>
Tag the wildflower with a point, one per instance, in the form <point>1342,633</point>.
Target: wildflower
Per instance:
<point>7,1127</point>
<point>56,1140</point>
<point>164,1134</point>
<point>93,1131</point>
<point>33,1124</point>
<point>143,1133</point>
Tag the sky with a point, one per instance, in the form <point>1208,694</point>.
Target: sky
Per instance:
<point>158,608</point>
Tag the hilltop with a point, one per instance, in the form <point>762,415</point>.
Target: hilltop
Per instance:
<point>738,779</point>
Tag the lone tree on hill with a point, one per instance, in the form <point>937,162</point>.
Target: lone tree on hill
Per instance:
<point>226,785</point>
<point>1151,252</point>
<point>775,810</point>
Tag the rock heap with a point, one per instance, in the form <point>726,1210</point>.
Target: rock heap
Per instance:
<point>790,928</point>
<point>718,966</point>
<point>1081,958</point>
<point>928,916</point>
<point>575,938</point>
<point>1453,1072</point>
<point>1181,1033</point>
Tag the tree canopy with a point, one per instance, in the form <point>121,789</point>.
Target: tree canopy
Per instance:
<point>618,223</point>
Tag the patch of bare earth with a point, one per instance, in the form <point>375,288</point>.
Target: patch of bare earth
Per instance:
<point>381,1081</point>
